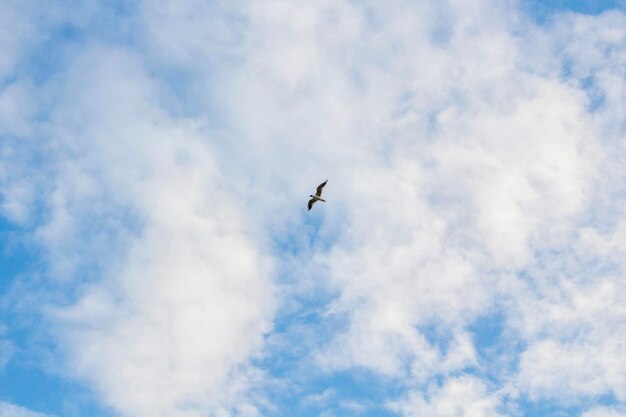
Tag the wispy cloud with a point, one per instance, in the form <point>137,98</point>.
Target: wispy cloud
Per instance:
<point>12,410</point>
<point>462,396</point>
<point>604,412</point>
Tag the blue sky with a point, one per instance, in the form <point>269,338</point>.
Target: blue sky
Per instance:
<point>156,254</point>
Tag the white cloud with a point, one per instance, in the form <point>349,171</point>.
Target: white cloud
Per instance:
<point>459,397</point>
<point>12,410</point>
<point>476,162</point>
<point>575,322</point>
<point>572,314</point>
<point>16,108</point>
<point>17,200</point>
<point>19,28</point>
<point>183,296</point>
<point>16,111</point>
<point>604,412</point>
<point>320,399</point>
<point>435,213</point>
<point>459,160</point>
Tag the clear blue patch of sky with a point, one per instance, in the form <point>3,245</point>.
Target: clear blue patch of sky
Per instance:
<point>315,233</point>
<point>27,385</point>
<point>110,21</point>
<point>51,54</point>
<point>24,381</point>
<point>487,329</point>
<point>498,349</point>
<point>543,10</point>
<point>436,336</point>
<point>335,393</point>
<point>16,256</point>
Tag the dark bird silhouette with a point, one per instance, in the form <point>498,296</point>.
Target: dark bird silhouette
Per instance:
<point>318,195</point>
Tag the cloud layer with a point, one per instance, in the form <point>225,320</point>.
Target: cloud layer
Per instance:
<point>470,257</point>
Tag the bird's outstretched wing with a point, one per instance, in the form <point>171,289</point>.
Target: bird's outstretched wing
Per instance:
<point>311,201</point>
<point>319,188</point>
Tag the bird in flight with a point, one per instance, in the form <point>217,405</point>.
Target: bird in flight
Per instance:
<point>318,195</point>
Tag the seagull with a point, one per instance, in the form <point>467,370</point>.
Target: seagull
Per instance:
<point>318,195</point>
